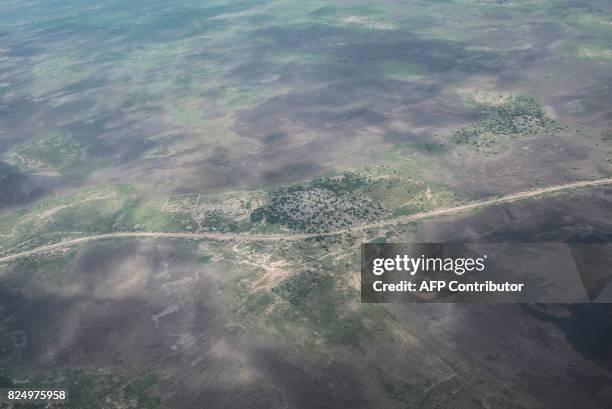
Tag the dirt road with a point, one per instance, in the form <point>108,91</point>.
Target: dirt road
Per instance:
<point>297,236</point>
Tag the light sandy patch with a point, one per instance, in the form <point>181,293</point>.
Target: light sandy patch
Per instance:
<point>29,164</point>
<point>217,131</point>
<point>238,205</point>
<point>368,22</point>
<point>274,271</point>
<point>404,126</point>
<point>352,280</point>
<point>172,308</point>
<point>590,52</point>
<point>299,139</point>
<point>129,278</point>
<point>484,96</point>
<point>48,213</point>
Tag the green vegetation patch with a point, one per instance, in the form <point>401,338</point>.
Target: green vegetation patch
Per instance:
<point>53,68</point>
<point>257,303</point>
<point>346,183</point>
<point>500,125</point>
<point>46,272</point>
<point>217,220</point>
<point>205,258</point>
<point>405,195</point>
<point>592,21</point>
<point>243,97</point>
<point>54,151</point>
<point>405,393</point>
<point>139,214</point>
<point>291,56</point>
<point>328,310</point>
<point>88,211</point>
<point>101,210</point>
<point>298,288</point>
<point>186,115</point>
<point>430,148</point>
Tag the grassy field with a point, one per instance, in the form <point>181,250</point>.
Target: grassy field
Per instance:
<point>54,151</point>
<point>91,211</point>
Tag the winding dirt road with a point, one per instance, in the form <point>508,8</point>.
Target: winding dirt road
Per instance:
<point>297,236</point>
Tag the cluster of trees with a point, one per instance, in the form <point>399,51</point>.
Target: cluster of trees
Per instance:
<point>326,202</point>
<point>519,116</point>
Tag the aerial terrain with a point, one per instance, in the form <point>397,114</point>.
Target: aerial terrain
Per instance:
<point>185,185</point>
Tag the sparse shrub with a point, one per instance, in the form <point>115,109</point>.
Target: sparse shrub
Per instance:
<point>346,183</point>
<point>297,288</point>
<point>216,220</point>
